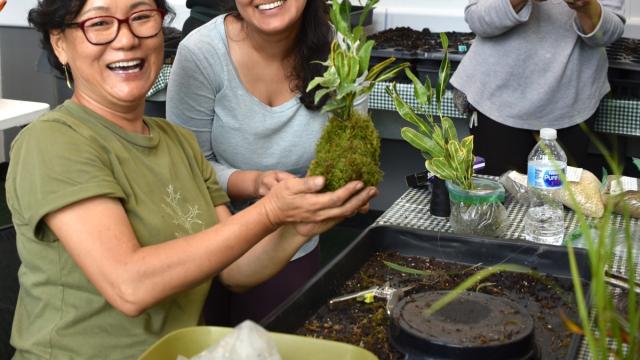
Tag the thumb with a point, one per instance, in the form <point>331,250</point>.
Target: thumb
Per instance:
<point>312,184</point>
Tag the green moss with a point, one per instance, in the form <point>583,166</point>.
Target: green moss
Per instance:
<point>348,150</point>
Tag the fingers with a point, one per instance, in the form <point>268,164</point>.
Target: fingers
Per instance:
<point>309,184</point>
<point>283,175</point>
<point>350,207</point>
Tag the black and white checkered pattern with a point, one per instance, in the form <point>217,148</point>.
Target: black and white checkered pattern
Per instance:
<point>379,99</point>
<point>161,81</point>
<point>618,117</point>
<point>412,210</point>
<point>614,116</point>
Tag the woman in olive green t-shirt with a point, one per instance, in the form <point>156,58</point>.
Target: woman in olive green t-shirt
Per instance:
<point>120,221</point>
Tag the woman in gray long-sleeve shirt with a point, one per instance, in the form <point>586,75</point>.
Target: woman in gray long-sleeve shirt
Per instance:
<point>238,82</point>
<point>536,64</point>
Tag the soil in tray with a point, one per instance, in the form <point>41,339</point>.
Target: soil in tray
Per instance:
<point>405,38</point>
<point>366,324</point>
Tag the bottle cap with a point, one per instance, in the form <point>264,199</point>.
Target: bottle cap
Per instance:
<point>548,134</point>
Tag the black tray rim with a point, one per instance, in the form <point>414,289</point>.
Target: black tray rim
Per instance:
<point>581,254</point>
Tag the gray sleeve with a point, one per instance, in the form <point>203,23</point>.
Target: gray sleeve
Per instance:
<point>488,18</point>
<point>191,96</point>
<point>610,27</point>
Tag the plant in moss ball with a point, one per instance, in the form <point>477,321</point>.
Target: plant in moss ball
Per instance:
<point>446,157</point>
<point>349,147</point>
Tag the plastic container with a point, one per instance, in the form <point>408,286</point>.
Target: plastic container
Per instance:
<point>193,340</point>
<point>478,211</point>
<point>472,326</point>
<point>544,220</point>
<point>471,250</point>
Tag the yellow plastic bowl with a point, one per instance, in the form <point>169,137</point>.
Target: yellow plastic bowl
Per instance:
<point>193,340</point>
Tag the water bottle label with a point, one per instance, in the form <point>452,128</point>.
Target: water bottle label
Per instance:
<point>543,177</point>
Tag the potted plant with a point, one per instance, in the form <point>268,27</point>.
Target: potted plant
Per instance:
<point>476,204</point>
<point>349,148</point>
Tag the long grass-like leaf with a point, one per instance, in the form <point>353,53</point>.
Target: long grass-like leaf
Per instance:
<point>470,281</point>
<point>407,270</point>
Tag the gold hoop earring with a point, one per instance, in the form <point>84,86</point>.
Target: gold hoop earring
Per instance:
<point>66,76</point>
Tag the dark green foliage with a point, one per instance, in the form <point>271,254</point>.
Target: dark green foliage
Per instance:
<point>348,150</point>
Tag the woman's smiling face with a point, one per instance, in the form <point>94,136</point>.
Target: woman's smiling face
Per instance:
<point>120,72</point>
<point>271,16</point>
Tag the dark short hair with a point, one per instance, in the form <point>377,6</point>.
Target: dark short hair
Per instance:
<point>54,14</point>
<point>313,45</point>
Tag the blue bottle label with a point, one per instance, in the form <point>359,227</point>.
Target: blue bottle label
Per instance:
<point>544,176</point>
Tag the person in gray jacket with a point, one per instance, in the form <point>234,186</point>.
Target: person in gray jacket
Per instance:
<point>536,64</point>
<point>239,84</point>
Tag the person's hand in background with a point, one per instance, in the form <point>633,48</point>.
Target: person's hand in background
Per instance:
<point>267,179</point>
<point>588,13</point>
<point>2,4</point>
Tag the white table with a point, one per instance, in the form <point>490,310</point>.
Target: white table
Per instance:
<point>14,113</point>
<point>17,112</point>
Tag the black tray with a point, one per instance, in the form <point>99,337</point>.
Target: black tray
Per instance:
<point>304,303</point>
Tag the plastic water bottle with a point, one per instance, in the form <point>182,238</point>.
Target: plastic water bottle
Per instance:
<point>544,221</point>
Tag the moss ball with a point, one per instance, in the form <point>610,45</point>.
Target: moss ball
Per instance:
<point>348,150</point>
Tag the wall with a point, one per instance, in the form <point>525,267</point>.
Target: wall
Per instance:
<point>632,28</point>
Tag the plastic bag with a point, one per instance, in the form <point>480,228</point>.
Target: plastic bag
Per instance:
<point>586,193</point>
<point>516,185</point>
<point>623,191</point>
<point>248,341</point>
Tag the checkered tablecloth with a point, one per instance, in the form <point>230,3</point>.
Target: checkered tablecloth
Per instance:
<point>161,81</point>
<point>412,210</point>
<point>614,116</point>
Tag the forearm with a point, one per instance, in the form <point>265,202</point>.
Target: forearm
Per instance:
<point>517,5</point>
<point>133,278</point>
<point>241,185</point>
<point>264,260</point>
<point>156,272</point>
<point>589,17</point>
<point>599,24</point>
<point>491,18</point>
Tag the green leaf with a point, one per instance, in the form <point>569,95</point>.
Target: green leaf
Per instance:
<point>636,162</point>
<point>467,147</point>
<point>456,158</point>
<point>391,73</point>
<point>444,40</point>
<point>421,142</point>
<point>406,111</point>
<point>319,94</point>
<point>444,73</point>
<point>449,129</point>
<point>353,66</point>
<point>340,16</point>
<point>341,65</point>
<point>368,7</point>
<point>364,56</point>
<point>441,168</point>
<point>333,105</point>
<point>438,137</point>
<point>377,68</point>
<point>407,270</point>
<point>470,281</point>
<point>419,91</point>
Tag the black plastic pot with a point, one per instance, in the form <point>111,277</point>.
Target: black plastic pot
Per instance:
<point>473,326</point>
<point>304,303</point>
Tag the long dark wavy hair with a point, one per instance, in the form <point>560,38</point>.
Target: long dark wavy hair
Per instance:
<point>51,15</point>
<point>313,45</point>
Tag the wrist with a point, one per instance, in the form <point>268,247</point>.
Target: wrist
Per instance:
<point>268,213</point>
